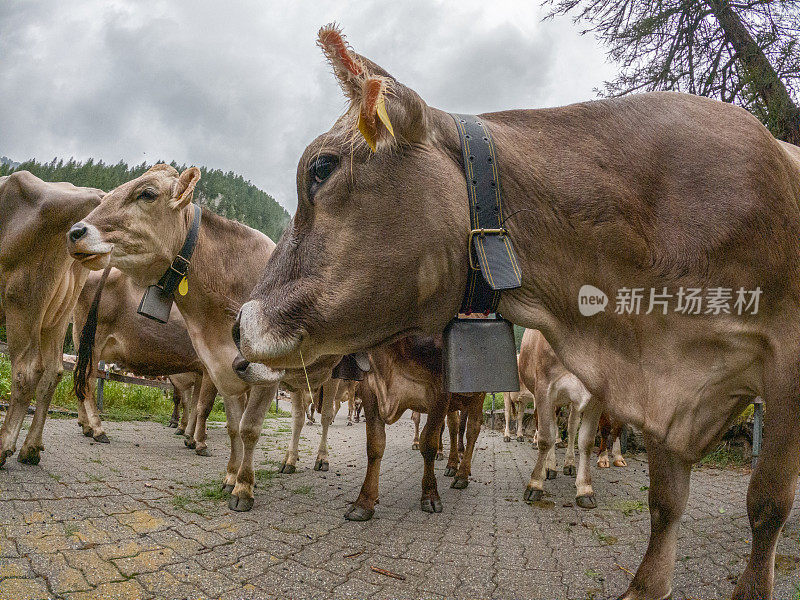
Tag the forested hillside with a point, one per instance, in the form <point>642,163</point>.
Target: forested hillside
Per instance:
<point>227,194</point>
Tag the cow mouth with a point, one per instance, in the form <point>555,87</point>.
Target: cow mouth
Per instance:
<point>92,260</point>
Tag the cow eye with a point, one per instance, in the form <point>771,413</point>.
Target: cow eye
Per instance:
<point>322,167</point>
<point>147,195</point>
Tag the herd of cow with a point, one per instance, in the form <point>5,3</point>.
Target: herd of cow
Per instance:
<point>653,191</point>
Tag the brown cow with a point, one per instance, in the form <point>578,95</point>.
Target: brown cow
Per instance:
<point>143,347</point>
<point>407,375</point>
<point>664,192</point>
<point>553,386</point>
<point>140,228</point>
<point>39,285</point>
<point>610,430</point>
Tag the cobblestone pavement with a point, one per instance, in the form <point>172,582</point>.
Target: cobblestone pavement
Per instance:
<point>143,518</point>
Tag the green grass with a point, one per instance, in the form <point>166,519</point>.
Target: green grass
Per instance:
<point>724,457</point>
<point>265,475</point>
<point>304,490</point>
<point>630,507</point>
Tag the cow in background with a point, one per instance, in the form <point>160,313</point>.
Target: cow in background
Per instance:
<point>39,285</point>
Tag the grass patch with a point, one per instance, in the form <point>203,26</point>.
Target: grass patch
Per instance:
<point>212,490</point>
<point>303,490</point>
<point>188,504</point>
<point>724,457</point>
<point>629,507</point>
<point>265,475</point>
<point>70,529</point>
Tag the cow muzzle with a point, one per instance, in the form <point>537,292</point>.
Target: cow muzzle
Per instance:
<point>86,245</point>
<point>258,342</point>
<point>255,373</point>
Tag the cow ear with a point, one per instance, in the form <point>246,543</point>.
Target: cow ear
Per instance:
<point>383,110</point>
<point>183,189</point>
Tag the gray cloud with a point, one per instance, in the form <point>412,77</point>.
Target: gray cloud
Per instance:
<point>241,85</point>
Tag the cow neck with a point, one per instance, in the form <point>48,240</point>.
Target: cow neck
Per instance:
<point>226,262</point>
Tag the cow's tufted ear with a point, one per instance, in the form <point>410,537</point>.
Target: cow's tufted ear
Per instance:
<point>383,110</point>
<point>183,189</point>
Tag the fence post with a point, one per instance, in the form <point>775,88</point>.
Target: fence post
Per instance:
<point>758,428</point>
<point>101,366</point>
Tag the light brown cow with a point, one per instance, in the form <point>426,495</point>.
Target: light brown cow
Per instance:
<point>407,375</point>
<point>144,347</point>
<point>139,228</point>
<point>553,386</point>
<point>39,285</point>
<point>658,192</point>
<point>514,404</point>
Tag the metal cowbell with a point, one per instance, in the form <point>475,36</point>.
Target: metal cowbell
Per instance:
<point>480,355</point>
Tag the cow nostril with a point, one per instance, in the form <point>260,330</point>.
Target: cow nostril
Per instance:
<point>77,232</point>
<point>235,332</point>
<point>240,364</point>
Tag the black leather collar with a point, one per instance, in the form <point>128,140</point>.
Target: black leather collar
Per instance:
<point>493,262</point>
<point>157,300</point>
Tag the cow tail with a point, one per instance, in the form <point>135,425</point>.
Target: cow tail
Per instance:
<point>85,363</point>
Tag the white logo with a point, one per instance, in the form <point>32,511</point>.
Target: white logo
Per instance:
<point>591,300</point>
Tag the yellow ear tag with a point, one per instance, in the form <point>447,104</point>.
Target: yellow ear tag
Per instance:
<point>383,115</point>
<point>183,286</point>
<point>362,127</point>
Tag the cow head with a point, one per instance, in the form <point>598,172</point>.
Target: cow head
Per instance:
<point>377,248</point>
<point>140,226</point>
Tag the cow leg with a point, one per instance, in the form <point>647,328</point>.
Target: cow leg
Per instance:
<point>584,494</point>
<point>364,506</point>
<point>605,431</point>
<point>351,407</point>
<point>331,388</point>
<point>440,451</point>
<point>546,429</point>
<point>415,417</point>
<point>474,415</point>
<point>359,406</point>
<point>289,464</point>
<point>258,401</point>
<point>52,344</point>
<point>94,425</point>
<point>520,419</point>
<point>462,428</point>
<point>310,413</point>
<point>572,431</point>
<point>176,403</point>
<point>429,442</point>
<point>234,407</point>
<point>508,409</point>
<point>772,485</point>
<point>453,427</point>
<point>205,404</point>
<point>186,408</point>
<point>26,370</point>
<point>616,453</point>
<point>193,401</point>
<point>669,490</point>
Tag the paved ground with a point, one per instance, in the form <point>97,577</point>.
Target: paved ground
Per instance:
<point>141,518</point>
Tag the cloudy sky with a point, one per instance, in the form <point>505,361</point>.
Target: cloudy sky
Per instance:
<point>240,85</point>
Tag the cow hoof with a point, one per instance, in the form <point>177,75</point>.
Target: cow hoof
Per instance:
<point>506,438</point>
<point>310,422</point>
<point>287,469</point>
<point>202,452</point>
<point>172,424</point>
<point>29,457</point>
<point>4,456</point>
<point>532,494</point>
<point>603,463</point>
<point>440,456</point>
<point>431,505</point>
<point>358,513</point>
<point>520,438</point>
<point>227,488</point>
<point>620,462</point>
<point>321,465</point>
<point>241,504</point>
<point>87,432</point>
<point>349,423</point>
<point>570,470</point>
<point>180,431</point>
<point>450,472</point>
<point>459,483</point>
<point>587,501</point>
<point>102,438</point>
<point>415,446</point>
<point>190,443</point>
